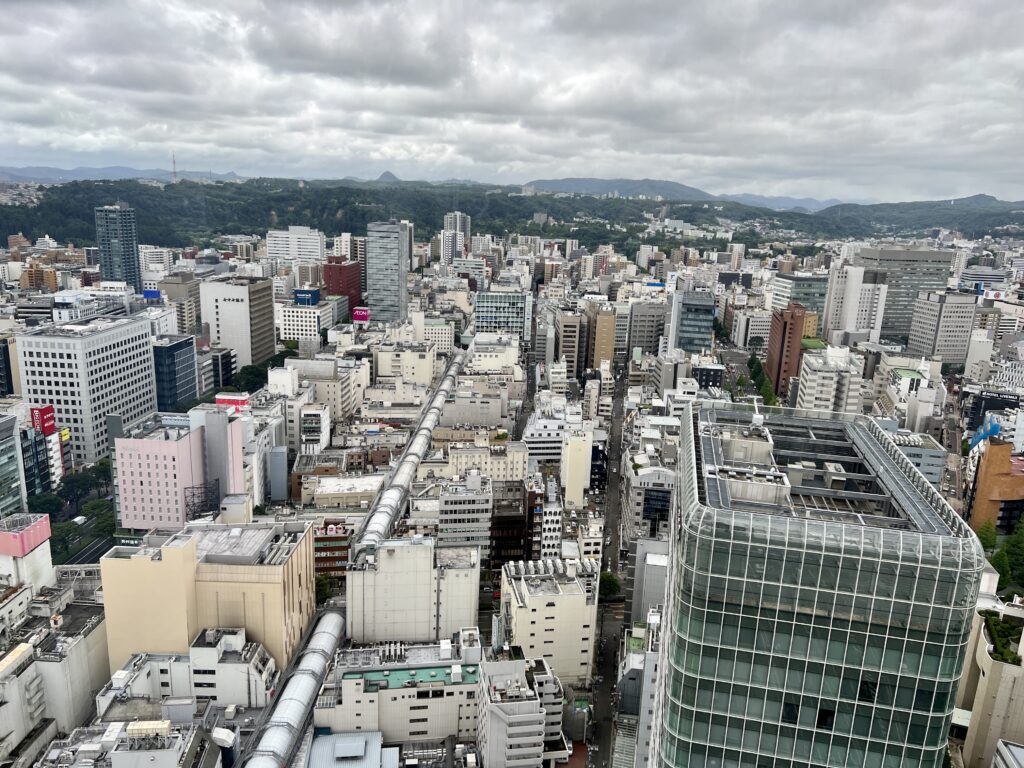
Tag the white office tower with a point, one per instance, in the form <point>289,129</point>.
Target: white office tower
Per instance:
<point>519,716</point>
<point>296,244</point>
<point>460,222</point>
<point>854,304</point>
<point>942,325</point>
<point>577,446</point>
<point>87,372</point>
<point>386,271</point>
<point>240,313</point>
<point>343,245</point>
<point>832,380</point>
<point>453,245</point>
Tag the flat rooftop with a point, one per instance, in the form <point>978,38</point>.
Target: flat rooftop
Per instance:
<point>818,465</point>
<point>409,677</point>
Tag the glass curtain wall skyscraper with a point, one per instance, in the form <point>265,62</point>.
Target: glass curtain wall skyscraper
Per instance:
<point>387,266</point>
<point>819,602</point>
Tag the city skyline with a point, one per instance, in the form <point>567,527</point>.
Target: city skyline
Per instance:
<point>845,102</point>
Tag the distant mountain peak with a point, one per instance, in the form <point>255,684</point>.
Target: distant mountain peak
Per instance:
<point>388,176</point>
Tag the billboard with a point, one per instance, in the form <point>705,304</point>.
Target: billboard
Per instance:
<point>150,294</point>
<point>44,419</point>
<point>306,297</point>
<point>361,315</point>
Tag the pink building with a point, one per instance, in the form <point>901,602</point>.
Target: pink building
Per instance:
<point>159,475</point>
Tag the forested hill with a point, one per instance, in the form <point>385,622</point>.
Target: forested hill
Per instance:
<point>189,213</point>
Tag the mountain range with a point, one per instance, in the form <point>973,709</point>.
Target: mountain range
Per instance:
<point>671,190</point>
<point>44,174</point>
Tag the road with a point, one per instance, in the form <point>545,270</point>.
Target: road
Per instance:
<point>609,615</point>
<point>91,553</point>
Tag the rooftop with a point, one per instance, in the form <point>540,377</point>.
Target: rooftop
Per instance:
<point>829,467</point>
<point>379,679</point>
<point>95,326</point>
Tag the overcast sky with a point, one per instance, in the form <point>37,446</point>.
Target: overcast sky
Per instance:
<point>856,99</point>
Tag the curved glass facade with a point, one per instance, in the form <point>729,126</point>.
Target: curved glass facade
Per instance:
<point>796,641</point>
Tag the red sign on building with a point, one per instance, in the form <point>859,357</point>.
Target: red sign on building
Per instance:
<point>361,315</point>
<point>44,420</point>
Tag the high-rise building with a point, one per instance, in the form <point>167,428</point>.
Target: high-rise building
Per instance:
<point>600,334</point>
<point>240,314</point>
<point>407,242</point>
<point>452,245</point>
<point>296,244</point>
<point>692,328</point>
<point>571,332</point>
<point>460,222</point>
<point>854,304</point>
<point>802,288</point>
<point>108,370</point>
<point>504,312</point>
<point>942,326</point>
<point>829,604</point>
<point>386,268</point>
<point>831,379</point>
<point>343,278</point>
<point>10,383</point>
<point>118,242</point>
<point>182,291</point>
<point>646,325</point>
<point>908,272</point>
<point>785,338</point>
<point>12,484</point>
<point>176,370</point>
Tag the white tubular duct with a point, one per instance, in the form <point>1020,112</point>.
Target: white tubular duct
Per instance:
<point>287,722</point>
<point>390,501</point>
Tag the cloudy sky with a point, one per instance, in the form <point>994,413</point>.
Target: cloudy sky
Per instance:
<point>857,99</point>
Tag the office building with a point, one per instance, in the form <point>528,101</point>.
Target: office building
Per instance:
<point>785,338</point>
<point>571,332</point>
<point>460,222</point>
<point>451,246</point>
<point>175,366</point>
<point>693,321</point>
<point>411,590</point>
<point>160,476</point>
<point>549,609</point>
<point>802,288</point>
<point>646,325</point>
<point>520,713</point>
<point>411,693</point>
<point>908,271</point>
<point>13,497</point>
<point>10,380</point>
<point>464,514</point>
<point>182,292</point>
<point>637,678</point>
<point>88,372</point>
<point>996,494</point>
<point>343,278</point>
<point>134,742</point>
<point>304,318</point>
<point>854,304</point>
<point>832,379</point>
<point>749,324</point>
<point>118,241</point>
<point>942,325</point>
<point>832,605</point>
<point>296,244</point>
<point>386,268</point>
<point>600,334</point>
<point>258,577</point>
<point>240,314</point>
<point>505,312</point>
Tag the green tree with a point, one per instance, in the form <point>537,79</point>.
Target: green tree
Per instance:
<point>1014,549</point>
<point>75,487</point>
<point>104,525</point>
<point>755,343</point>
<point>741,381</point>
<point>1002,564</point>
<point>609,587</point>
<point>988,536</point>
<point>323,589</point>
<point>97,507</point>
<point>45,504</point>
<point>62,535</point>
<point>250,378</point>
<point>102,472</point>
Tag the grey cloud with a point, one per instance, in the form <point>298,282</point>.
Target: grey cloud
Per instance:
<point>869,99</point>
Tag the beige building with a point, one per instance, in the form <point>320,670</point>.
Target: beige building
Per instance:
<point>992,688</point>
<point>259,577</point>
<point>549,609</point>
<point>601,336</point>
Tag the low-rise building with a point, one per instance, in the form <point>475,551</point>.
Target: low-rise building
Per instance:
<point>411,693</point>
